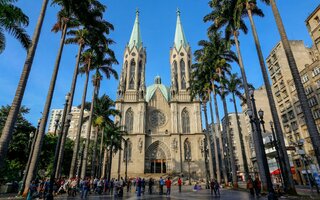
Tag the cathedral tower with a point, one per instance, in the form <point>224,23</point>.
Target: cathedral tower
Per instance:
<point>132,80</point>
<point>180,61</point>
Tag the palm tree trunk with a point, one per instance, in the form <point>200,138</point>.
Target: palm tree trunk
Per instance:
<point>110,163</point>
<point>243,150</point>
<point>284,159</point>
<point>94,153</point>
<point>216,154</point>
<point>204,104</point>
<point>46,111</point>
<point>77,141</point>
<point>230,142</point>
<point>100,152</point>
<point>257,147</point>
<point>211,165</point>
<point>104,163</point>
<point>65,132</point>
<point>86,148</point>
<point>7,131</point>
<point>218,131</point>
<point>311,126</point>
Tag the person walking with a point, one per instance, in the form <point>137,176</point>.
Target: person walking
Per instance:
<point>32,190</point>
<point>73,186</point>
<point>85,188</point>
<point>143,186</point>
<point>161,183</point>
<point>250,186</point>
<point>168,184</point>
<point>257,186</point>
<point>179,184</point>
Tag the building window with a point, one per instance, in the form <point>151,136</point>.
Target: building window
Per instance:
<point>312,101</point>
<point>308,90</point>
<point>316,114</point>
<point>291,114</point>
<point>129,121</point>
<point>132,74</point>
<point>318,84</point>
<point>315,71</point>
<point>304,78</point>
<point>187,150</point>
<point>127,151</point>
<point>183,74</point>
<point>175,73</point>
<point>294,126</point>
<point>139,73</point>
<point>185,121</point>
<point>298,109</point>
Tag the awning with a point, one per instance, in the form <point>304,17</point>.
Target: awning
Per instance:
<point>278,171</point>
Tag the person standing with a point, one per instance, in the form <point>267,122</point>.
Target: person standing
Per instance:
<point>85,188</point>
<point>161,183</point>
<point>179,184</point>
<point>250,185</point>
<point>150,183</point>
<point>212,187</point>
<point>216,188</point>
<point>168,184</point>
<point>257,186</point>
<point>139,187</point>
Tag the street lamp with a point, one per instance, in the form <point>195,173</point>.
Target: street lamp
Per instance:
<point>256,120</point>
<point>275,143</point>
<point>55,162</point>
<point>63,131</point>
<point>56,124</point>
<point>126,154</point>
<point>188,159</point>
<point>33,137</point>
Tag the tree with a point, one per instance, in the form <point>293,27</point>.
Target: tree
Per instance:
<point>13,20</point>
<point>233,86</point>
<point>8,128</point>
<point>19,147</point>
<point>228,15</point>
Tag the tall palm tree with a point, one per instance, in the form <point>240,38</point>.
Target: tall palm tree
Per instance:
<point>250,6</point>
<point>105,65</point>
<point>311,126</point>
<point>102,113</point>
<point>80,37</point>
<point>16,103</point>
<point>13,20</point>
<point>227,15</point>
<point>233,86</point>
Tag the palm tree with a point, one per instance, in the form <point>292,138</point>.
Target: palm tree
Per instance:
<point>80,37</point>
<point>103,110</point>
<point>105,65</point>
<point>13,20</point>
<point>16,103</point>
<point>226,14</point>
<point>311,126</point>
<point>250,6</point>
<point>85,68</point>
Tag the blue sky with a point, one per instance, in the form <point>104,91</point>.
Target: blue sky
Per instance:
<point>157,21</point>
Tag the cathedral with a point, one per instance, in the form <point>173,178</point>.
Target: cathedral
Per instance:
<point>163,126</point>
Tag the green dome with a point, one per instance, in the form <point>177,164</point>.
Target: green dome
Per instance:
<point>157,85</point>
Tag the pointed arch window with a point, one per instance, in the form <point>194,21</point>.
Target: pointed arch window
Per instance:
<point>185,121</point>
<point>132,74</point>
<point>125,74</point>
<point>187,150</point>
<point>183,74</point>
<point>139,73</point>
<point>127,151</point>
<point>129,121</point>
<point>175,72</point>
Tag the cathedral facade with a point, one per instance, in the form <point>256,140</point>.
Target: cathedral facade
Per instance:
<point>163,126</point>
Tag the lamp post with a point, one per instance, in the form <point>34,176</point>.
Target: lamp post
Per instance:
<point>56,123</point>
<point>275,143</point>
<point>126,154</point>
<point>110,159</point>
<point>63,133</point>
<point>33,138</point>
<point>55,162</point>
<point>31,135</point>
<point>256,120</point>
<point>188,159</point>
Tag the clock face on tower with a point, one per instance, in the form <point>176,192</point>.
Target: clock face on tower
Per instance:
<point>157,118</point>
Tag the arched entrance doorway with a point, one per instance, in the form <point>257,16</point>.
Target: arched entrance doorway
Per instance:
<point>157,158</point>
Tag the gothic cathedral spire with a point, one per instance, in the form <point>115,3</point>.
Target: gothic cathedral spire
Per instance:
<point>132,79</point>
<point>180,60</point>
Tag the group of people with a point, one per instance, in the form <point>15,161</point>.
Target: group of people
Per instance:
<point>254,186</point>
<point>214,187</point>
